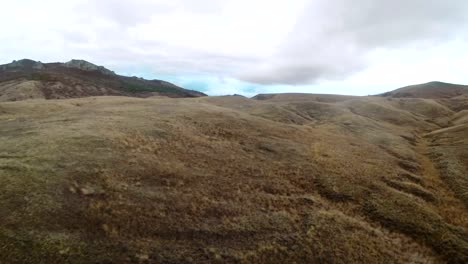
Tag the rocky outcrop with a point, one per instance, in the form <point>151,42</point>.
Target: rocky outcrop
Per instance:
<point>23,64</point>
<point>87,66</point>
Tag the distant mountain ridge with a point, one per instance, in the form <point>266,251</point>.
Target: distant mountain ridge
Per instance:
<point>29,79</point>
<point>430,90</point>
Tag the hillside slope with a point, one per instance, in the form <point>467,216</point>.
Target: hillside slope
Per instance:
<point>233,180</point>
<point>27,79</point>
<point>431,90</point>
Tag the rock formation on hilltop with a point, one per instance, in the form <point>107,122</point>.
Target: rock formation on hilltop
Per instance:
<point>87,66</point>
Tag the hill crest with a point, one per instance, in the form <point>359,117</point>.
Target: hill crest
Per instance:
<point>430,90</point>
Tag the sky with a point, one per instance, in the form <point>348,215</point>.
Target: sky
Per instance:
<point>356,47</point>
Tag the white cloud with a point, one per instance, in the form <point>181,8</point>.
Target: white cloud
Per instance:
<point>333,38</point>
<point>313,43</point>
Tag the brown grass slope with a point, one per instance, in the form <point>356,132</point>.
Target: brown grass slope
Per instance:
<point>27,79</point>
<point>449,150</point>
<point>231,180</point>
<point>431,90</point>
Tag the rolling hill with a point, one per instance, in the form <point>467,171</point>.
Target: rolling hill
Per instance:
<point>431,90</point>
<point>28,79</point>
<point>278,178</point>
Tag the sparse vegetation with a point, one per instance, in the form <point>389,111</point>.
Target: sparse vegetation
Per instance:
<point>227,180</point>
<point>139,87</point>
<point>45,77</point>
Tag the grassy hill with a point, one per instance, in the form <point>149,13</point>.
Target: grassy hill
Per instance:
<point>431,90</point>
<point>289,178</point>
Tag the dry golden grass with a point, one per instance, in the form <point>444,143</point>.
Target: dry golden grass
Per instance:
<point>228,179</point>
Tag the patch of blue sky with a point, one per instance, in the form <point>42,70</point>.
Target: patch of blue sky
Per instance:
<point>217,85</point>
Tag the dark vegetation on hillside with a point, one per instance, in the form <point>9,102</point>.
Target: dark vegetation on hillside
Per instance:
<point>80,79</point>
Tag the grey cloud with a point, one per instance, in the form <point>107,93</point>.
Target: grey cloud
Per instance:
<point>297,74</point>
<point>162,58</point>
<point>124,13</point>
<point>127,13</point>
<point>333,37</point>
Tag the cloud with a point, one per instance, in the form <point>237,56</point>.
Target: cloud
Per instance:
<point>333,38</point>
<point>127,14</point>
<point>264,42</point>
